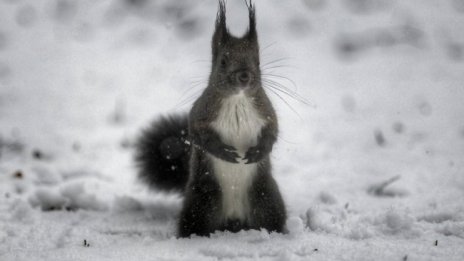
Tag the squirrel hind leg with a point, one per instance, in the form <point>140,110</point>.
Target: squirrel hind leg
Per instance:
<point>269,210</point>
<point>162,153</point>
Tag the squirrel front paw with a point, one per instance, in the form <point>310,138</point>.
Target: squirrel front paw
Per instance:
<point>228,153</point>
<point>254,154</point>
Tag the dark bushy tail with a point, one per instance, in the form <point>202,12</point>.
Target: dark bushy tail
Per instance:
<point>162,153</point>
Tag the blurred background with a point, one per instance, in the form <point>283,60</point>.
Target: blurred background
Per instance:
<point>376,90</point>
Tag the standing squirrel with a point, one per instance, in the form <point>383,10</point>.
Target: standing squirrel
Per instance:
<point>218,155</point>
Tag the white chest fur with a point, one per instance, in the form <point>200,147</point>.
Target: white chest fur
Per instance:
<point>239,124</point>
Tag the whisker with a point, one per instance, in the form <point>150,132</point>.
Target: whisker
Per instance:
<point>191,88</point>
<point>191,92</point>
<point>199,78</point>
<point>276,61</point>
<point>276,66</point>
<point>291,95</point>
<point>281,77</point>
<point>282,99</point>
<point>278,84</point>
<point>280,137</point>
<point>267,46</point>
<point>196,83</point>
<point>281,88</point>
<point>188,99</point>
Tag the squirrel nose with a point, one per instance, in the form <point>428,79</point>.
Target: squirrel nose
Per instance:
<point>243,77</point>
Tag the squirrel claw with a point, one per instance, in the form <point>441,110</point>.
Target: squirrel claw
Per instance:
<point>253,155</point>
<point>248,161</point>
<point>249,158</point>
<point>233,160</point>
<point>230,155</point>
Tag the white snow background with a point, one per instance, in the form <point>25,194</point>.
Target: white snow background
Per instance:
<point>371,169</point>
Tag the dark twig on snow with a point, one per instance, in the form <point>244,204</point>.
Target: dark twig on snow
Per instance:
<point>380,189</point>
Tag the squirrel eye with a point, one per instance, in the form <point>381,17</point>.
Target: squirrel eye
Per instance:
<point>223,62</point>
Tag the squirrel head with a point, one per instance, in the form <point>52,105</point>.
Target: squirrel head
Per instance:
<point>235,64</point>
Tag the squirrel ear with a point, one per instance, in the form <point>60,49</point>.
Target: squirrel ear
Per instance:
<point>221,33</point>
<point>251,15</point>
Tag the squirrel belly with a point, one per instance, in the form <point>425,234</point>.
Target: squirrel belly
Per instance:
<point>238,124</point>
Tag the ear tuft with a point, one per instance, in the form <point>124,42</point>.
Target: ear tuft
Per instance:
<point>221,33</point>
<point>252,17</point>
<point>221,15</point>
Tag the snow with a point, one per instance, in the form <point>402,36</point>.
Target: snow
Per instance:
<point>370,164</point>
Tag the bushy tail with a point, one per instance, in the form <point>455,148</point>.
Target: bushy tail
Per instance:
<point>162,153</point>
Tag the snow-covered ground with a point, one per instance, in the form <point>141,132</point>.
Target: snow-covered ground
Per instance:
<point>371,169</point>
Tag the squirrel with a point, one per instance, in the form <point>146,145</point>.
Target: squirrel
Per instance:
<point>218,154</point>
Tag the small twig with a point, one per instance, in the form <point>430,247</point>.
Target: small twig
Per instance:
<point>379,189</point>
